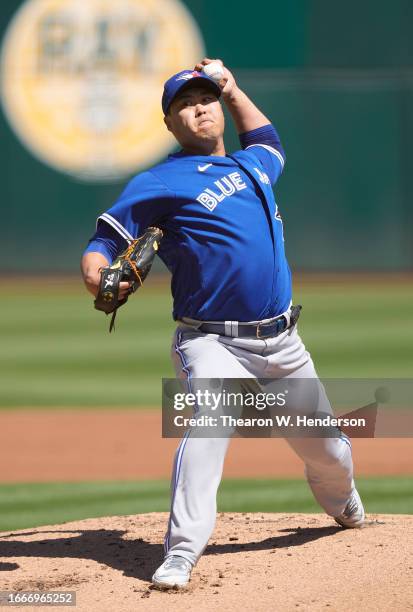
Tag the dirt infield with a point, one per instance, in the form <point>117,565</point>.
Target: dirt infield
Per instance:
<point>285,562</point>
<point>266,561</point>
<point>74,445</point>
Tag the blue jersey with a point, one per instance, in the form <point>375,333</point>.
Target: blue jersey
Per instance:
<point>223,236</point>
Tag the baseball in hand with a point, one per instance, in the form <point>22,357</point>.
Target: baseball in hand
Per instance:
<point>214,70</point>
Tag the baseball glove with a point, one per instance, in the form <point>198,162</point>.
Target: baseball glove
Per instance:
<point>131,266</point>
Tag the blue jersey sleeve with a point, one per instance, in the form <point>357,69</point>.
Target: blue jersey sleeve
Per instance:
<point>106,241</point>
<point>143,203</point>
<point>266,146</point>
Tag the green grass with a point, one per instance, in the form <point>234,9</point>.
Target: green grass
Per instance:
<point>359,331</point>
<point>29,505</point>
<point>56,349</point>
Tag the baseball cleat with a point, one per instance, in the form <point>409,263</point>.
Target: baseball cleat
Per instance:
<point>175,571</point>
<point>353,515</point>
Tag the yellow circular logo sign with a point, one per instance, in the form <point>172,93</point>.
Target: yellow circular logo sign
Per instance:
<point>82,80</point>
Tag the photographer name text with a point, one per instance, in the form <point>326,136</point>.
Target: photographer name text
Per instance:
<point>226,420</point>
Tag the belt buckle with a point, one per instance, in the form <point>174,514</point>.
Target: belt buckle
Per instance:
<point>262,335</point>
<point>273,325</point>
<point>257,333</point>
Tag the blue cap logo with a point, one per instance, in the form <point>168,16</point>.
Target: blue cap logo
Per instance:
<point>179,80</point>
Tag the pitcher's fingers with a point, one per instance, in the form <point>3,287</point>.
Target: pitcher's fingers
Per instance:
<point>123,289</point>
<point>203,63</point>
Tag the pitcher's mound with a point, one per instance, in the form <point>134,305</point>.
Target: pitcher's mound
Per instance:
<point>257,561</point>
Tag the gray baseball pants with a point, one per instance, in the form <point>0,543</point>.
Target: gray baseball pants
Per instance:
<point>199,462</point>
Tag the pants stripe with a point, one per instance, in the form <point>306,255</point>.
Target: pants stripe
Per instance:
<point>345,438</point>
<point>177,470</point>
<point>181,447</point>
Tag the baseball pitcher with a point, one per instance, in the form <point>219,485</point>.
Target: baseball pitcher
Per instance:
<point>222,240</point>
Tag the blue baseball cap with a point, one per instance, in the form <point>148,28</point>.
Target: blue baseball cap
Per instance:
<point>184,79</point>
